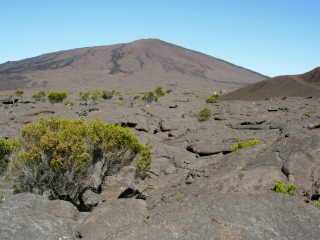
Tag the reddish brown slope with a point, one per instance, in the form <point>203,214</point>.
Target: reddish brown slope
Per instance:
<point>304,85</point>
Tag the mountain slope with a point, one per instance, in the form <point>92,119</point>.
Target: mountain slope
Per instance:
<point>304,85</point>
<point>137,65</point>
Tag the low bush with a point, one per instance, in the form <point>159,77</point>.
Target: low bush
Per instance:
<point>244,144</point>
<point>57,97</point>
<point>66,157</point>
<point>159,92</point>
<point>150,97</point>
<point>69,104</point>
<point>39,96</point>
<point>96,95</point>
<point>153,96</point>
<point>19,93</point>
<point>281,187</point>
<point>143,163</point>
<point>204,114</point>
<point>213,98</point>
<point>316,203</point>
<point>7,146</point>
<point>107,94</point>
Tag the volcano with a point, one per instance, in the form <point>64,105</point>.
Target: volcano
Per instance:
<point>141,64</point>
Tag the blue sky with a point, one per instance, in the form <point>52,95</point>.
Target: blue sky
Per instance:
<point>272,37</point>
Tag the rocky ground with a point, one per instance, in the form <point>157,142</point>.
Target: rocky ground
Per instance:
<point>198,187</point>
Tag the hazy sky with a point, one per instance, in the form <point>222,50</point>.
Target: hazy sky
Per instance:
<point>272,37</point>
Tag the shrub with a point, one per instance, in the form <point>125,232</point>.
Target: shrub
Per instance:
<point>204,114</point>
<point>309,114</point>
<point>95,95</point>
<point>69,104</point>
<point>153,96</point>
<point>159,92</point>
<point>244,144</point>
<point>107,94</point>
<point>57,97</point>
<point>150,97</point>
<point>65,157</point>
<point>136,97</point>
<point>39,96</point>
<point>144,161</point>
<point>213,98</point>
<point>84,96</point>
<point>316,203</point>
<point>7,146</point>
<point>281,187</point>
<point>19,93</point>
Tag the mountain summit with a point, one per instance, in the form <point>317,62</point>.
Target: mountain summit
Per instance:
<point>140,64</point>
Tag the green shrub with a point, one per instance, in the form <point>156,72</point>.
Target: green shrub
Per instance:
<point>316,203</point>
<point>19,93</point>
<point>96,95</point>
<point>159,92</point>
<point>39,96</point>
<point>136,97</point>
<point>309,114</point>
<point>2,196</point>
<point>84,96</point>
<point>153,96</point>
<point>213,98</point>
<point>244,144</point>
<point>107,94</point>
<point>204,114</point>
<point>281,187</point>
<point>7,146</point>
<point>179,196</point>
<point>150,97</point>
<point>144,161</point>
<point>69,104</point>
<point>59,155</point>
<point>57,97</point>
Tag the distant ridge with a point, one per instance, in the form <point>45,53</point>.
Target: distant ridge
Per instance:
<point>303,85</point>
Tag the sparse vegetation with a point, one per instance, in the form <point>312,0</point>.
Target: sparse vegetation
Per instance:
<point>244,144</point>
<point>39,96</point>
<point>69,104</point>
<point>106,95</point>
<point>153,96</point>
<point>144,161</point>
<point>57,97</point>
<point>204,114</point>
<point>58,155</point>
<point>150,97</point>
<point>2,197</point>
<point>159,92</point>
<point>213,98</point>
<point>19,93</point>
<point>7,146</point>
<point>96,95</point>
<point>309,114</point>
<point>281,187</point>
<point>179,196</point>
<point>136,97</point>
<point>316,203</point>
